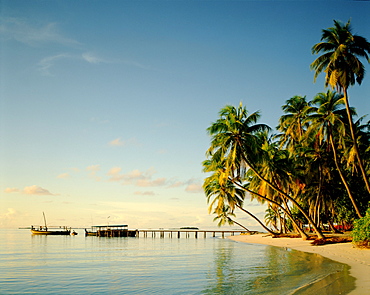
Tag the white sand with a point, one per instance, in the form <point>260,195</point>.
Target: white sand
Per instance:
<point>357,259</point>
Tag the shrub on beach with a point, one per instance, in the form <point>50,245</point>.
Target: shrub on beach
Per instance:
<point>361,231</point>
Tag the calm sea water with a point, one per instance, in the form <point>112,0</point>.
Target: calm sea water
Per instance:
<point>92,265</point>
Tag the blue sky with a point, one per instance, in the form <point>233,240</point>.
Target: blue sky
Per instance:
<point>104,105</point>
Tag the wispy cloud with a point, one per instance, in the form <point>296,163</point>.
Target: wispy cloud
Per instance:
<point>30,190</point>
<point>176,184</point>
<point>9,190</point>
<point>194,186</point>
<point>145,193</point>
<point>47,63</point>
<point>39,34</point>
<point>136,177</point>
<point>32,34</point>
<point>36,190</point>
<point>8,215</point>
<point>64,175</point>
<point>135,64</point>
<point>116,142</point>
<point>151,183</point>
<point>93,170</point>
<point>92,58</point>
<point>128,142</point>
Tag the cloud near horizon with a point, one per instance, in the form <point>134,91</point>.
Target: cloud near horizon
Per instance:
<point>194,188</point>
<point>36,190</point>
<point>145,193</point>
<point>64,175</point>
<point>136,177</point>
<point>30,190</point>
<point>93,170</point>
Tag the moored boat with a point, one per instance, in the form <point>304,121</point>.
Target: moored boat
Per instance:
<point>90,233</point>
<point>45,230</point>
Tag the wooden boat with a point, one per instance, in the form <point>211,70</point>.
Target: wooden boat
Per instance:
<point>90,233</point>
<point>45,230</point>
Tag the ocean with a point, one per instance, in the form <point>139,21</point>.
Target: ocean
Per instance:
<point>31,264</point>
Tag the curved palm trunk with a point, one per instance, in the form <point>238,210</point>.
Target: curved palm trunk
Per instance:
<point>259,221</point>
<point>276,221</point>
<point>330,222</point>
<point>301,232</point>
<point>355,146</point>
<point>242,226</point>
<point>296,225</point>
<point>309,219</point>
<point>342,176</point>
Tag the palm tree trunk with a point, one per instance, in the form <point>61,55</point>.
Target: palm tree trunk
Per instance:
<point>297,225</point>
<point>259,221</point>
<point>303,234</point>
<point>342,176</point>
<point>355,146</point>
<point>242,226</point>
<point>309,219</point>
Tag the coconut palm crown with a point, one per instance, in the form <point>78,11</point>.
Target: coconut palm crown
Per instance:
<point>340,60</point>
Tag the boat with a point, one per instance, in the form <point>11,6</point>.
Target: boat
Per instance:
<point>51,230</point>
<point>90,233</point>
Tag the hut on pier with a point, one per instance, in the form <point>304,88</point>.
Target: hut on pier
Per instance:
<point>111,231</point>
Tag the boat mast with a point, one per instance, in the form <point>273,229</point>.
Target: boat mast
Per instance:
<point>44,218</point>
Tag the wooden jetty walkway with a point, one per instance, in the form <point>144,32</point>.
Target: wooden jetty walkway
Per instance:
<point>181,232</point>
<point>123,231</point>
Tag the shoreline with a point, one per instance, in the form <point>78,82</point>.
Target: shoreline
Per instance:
<point>357,259</point>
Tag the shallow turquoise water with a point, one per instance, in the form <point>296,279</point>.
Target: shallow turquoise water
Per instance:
<point>92,265</point>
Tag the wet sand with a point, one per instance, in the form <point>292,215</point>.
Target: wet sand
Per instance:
<point>357,259</point>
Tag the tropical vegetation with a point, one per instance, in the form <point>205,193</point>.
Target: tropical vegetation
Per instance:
<point>312,172</point>
<point>361,231</point>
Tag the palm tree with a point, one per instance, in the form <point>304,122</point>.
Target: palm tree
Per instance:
<point>340,61</point>
<point>220,192</point>
<point>273,217</point>
<point>291,124</point>
<point>223,217</point>
<point>328,117</point>
<point>226,196</point>
<point>234,140</point>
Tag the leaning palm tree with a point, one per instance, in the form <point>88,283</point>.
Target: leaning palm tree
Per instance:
<point>223,196</point>
<point>273,217</point>
<point>340,61</point>
<point>327,118</point>
<point>291,123</point>
<point>223,217</point>
<point>234,140</point>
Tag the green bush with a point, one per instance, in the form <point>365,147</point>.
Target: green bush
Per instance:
<point>361,230</point>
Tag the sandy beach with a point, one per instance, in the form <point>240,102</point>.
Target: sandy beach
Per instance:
<point>357,259</point>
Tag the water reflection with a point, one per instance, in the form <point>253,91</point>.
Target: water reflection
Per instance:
<point>274,270</point>
<point>68,265</point>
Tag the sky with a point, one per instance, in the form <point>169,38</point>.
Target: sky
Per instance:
<point>104,105</point>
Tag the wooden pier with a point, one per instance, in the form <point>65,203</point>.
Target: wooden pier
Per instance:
<point>123,231</point>
<point>161,233</point>
<point>178,233</point>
